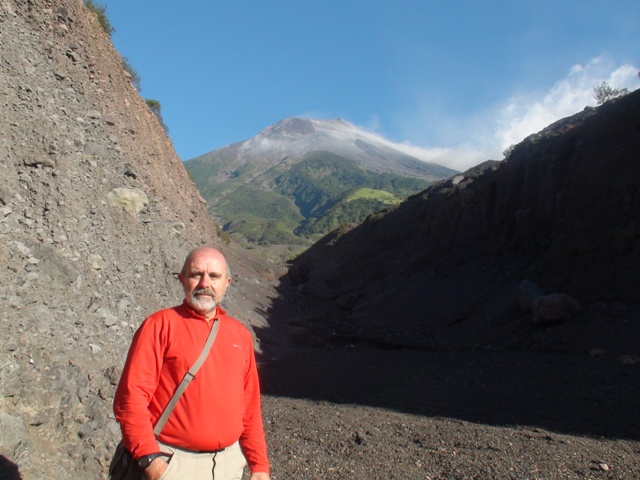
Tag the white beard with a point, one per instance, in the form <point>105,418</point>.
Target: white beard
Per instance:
<point>202,305</point>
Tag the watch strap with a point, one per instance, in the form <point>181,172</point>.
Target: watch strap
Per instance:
<point>145,460</point>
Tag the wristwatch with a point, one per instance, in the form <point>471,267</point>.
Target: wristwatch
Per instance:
<point>145,460</point>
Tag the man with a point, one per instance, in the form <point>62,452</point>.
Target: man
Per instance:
<point>217,422</point>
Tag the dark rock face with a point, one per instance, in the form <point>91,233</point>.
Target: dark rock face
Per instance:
<point>444,267</point>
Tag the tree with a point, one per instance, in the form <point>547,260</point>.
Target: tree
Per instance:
<point>507,151</point>
<point>605,92</point>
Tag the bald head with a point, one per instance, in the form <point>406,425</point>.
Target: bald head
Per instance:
<point>207,251</point>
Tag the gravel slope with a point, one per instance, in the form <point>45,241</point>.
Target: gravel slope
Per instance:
<point>363,413</point>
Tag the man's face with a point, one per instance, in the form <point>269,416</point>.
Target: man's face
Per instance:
<point>204,281</point>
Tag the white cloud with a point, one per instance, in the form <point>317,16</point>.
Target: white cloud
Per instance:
<point>458,158</point>
<point>488,133</point>
<point>523,115</point>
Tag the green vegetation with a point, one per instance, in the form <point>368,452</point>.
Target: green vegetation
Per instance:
<point>133,75</point>
<point>101,13</point>
<point>321,179</point>
<point>343,213</point>
<point>222,235</point>
<point>156,109</point>
<point>293,205</point>
<point>508,151</point>
<point>354,207</point>
<point>260,216</point>
<point>605,92</point>
<point>370,194</point>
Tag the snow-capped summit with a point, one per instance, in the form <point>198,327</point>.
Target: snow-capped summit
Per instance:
<point>294,137</point>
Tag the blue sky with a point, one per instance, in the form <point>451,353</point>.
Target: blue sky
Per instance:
<point>458,80</point>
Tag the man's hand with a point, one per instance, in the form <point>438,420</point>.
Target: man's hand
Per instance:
<point>260,476</point>
<point>156,468</point>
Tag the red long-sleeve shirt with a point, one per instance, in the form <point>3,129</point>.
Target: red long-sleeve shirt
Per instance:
<point>221,404</point>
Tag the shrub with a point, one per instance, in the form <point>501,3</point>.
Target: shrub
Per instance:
<point>605,92</point>
<point>156,109</point>
<point>507,151</point>
<point>101,13</point>
<point>222,235</point>
<point>133,75</point>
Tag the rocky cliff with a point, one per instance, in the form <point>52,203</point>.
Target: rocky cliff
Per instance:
<point>464,263</point>
<point>96,215</point>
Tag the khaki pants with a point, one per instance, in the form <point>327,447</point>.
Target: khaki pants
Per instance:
<point>185,465</point>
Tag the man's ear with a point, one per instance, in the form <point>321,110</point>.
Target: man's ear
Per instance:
<point>181,278</point>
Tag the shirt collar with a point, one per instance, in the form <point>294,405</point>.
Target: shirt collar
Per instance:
<point>219,311</point>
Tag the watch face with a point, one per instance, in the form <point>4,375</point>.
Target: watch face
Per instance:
<point>144,462</point>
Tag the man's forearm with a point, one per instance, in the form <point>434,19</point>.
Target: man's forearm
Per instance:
<point>157,467</point>
<point>259,476</point>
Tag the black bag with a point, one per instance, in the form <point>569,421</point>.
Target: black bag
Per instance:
<point>123,466</point>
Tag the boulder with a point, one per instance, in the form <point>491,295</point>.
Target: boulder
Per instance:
<point>132,200</point>
<point>554,308</point>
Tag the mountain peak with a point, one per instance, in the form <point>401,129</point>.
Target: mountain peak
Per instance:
<point>302,126</point>
<point>294,137</point>
<point>292,126</point>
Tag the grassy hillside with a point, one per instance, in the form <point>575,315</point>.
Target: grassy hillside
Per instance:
<point>354,207</point>
<point>292,204</point>
<point>261,217</point>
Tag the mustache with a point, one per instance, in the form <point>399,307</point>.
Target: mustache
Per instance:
<point>203,291</point>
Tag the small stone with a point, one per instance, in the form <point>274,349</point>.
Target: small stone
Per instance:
<point>110,320</point>
<point>39,160</point>
<point>130,172</point>
<point>629,359</point>
<point>596,465</point>
<point>22,248</point>
<point>94,114</point>
<point>597,353</point>
<point>73,56</point>
<point>96,262</point>
<point>178,228</point>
